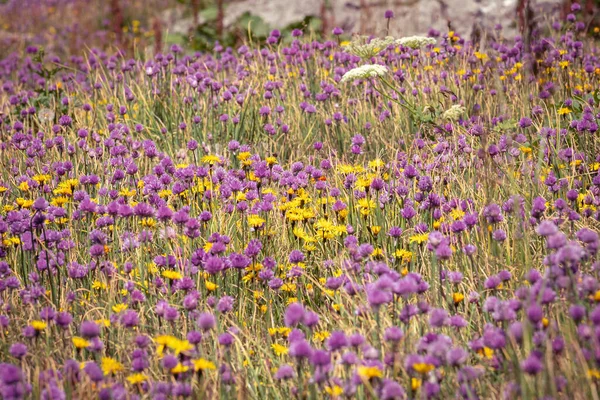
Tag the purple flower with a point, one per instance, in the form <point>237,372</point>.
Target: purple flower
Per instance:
<point>456,356</point>
<point>294,314</point>
<point>225,304</point>
<point>438,317</point>
<point>226,339</point>
<point>337,340</point>
<point>89,329</point>
<point>206,321</point>
<point>18,350</point>
<point>285,372</point>
<point>300,349</point>
<point>393,334</point>
<point>546,228</point>
<point>532,365</point>
<point>535,313</point>
<point>296,256</point>
<point>93,371</point>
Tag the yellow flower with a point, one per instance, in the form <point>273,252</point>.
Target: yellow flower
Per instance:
<point>279,349</point>
<point>423,368</point>
<point>376,163</point>
<point>403,255</point>
<point>179,369</point>
<point>210,286</point>
<point>288,287</point>
<point>458,298</point>
<point>564,111</point>
<point>375,229</point>
<point>23,203</point>
<point>210,159</point>
<point>117,308</point>
<point>80,342</point>
<point>365,205</point>
<point>255,221</point>
<point>283,331</point>
<point>367,373</point>
<point>104,322</point>
<point>525,149</point>
<point>99,285</point>
<point>137,378</point>
<point>271,160</point>
<point>594,373</point>
<point>334,391</point>
<point>201,364</point>
<point>38,325</point>
<point>172,275</point>
<point>111,366</point>
<point>127,192</point>
<point>419,239</point>
<point>415,383</point>
<point>457,214</point>
<point>41,179</point>
<point>486,352</point>
<point>180,346</point>
<point>320,336</point>
<point>24,186</point>
<point>11,241</point>
<point>545,322</point>
<point>243,156</point>
<point>59,201</point>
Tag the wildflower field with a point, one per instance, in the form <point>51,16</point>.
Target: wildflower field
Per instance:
<point>394,218</point>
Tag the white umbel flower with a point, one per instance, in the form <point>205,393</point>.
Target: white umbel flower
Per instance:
<point>364,48</point>
<point>454,112</point>
<point>364,72</point>
<point>415,42</point>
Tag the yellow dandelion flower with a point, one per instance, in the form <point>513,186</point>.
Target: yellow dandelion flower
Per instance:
<point>179,369</point>
<point>415,383</point>
<point>564,111</point>
<point>202,364</point>
<point>255,221</point>
<point>38,325</point>
<point>137,378</point>
<point>419,239</point>
<point>110,366</point>
<point>423,368</point>
<point>117,308</point>
<point>210,159</point>
<point>172,275</point>
<point>79,342</point>
<point>320,336</point>
<point>279,350</point>
<point>334,391</point>
<point>458,298</point>
<point>367,373</point>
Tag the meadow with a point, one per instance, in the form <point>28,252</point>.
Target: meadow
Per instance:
<point>392,218</point>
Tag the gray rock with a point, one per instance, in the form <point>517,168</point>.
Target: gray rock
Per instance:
<point>412,17</point>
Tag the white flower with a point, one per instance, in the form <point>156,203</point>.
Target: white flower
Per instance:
<point>364,72</point>
<point>46,115</point>
<point>362,47</point>
<point>454,112</point>
<point>415,42</point>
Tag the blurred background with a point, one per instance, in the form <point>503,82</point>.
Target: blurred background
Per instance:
<point>145,27</point>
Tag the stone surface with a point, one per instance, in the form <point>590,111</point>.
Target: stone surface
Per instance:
<point>366,16</point>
